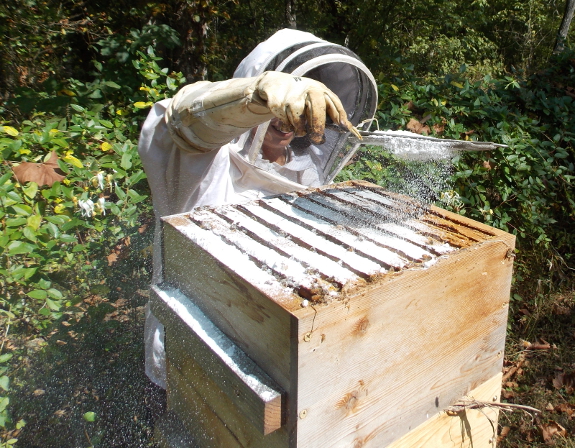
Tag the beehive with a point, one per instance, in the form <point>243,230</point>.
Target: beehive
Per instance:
<point>339,317</point>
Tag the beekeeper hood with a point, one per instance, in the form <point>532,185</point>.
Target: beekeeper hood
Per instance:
<point>303,54</point>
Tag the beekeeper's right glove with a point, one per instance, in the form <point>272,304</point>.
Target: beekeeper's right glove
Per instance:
<point>204,116</point>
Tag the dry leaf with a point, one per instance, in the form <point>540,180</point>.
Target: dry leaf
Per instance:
<point>504,432</point>
<point>566,380</point>
<point>417,127</point>
<point>566,408</point>
<point>550,430</point>
<point>543,345</point>
<point>112,258</point>
<point>550,407</point>
<point>507,394</point>
<point>439,129</point>
<point>60,413</point>
<point>42,173</point>
<point>39,392</point>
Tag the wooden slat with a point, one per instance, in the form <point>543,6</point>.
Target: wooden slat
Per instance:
<point>374,367</point>
<point>248,388</point>
<point>208,430</point>
<point>471,429</point>
<point>192,376</point>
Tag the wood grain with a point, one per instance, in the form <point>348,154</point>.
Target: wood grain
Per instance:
<point>375,367</point>
<point>193,386</point>
<point>190,334</point>
<point>471,429</point>
<point>254,321</point>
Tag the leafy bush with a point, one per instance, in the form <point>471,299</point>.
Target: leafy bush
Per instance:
<point>56,239</point>
<point>526,188</point>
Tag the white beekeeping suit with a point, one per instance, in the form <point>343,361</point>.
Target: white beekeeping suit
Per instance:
<point>203,147</point>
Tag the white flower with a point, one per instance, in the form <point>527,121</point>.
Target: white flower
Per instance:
<point>102,205</point>
<point>100,177</point>
<point>86,207</point>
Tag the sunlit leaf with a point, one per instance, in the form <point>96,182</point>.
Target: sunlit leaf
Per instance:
<point>39,294</point>
<point>66,92</point>
<point>4,382</point>
<point>73,161</point>
<point>31,189</point>
<point>10,130</point>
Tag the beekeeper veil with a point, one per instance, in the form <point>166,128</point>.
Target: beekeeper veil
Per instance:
<point>303,54</point>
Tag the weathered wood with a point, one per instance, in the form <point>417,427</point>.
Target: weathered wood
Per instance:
<point>362,363</point>
<point>471,429</point>
<point>219,427</point>
<point>405,348</point>
<point>198,418</point>
<point>259,326</point>
<point>190,333</point>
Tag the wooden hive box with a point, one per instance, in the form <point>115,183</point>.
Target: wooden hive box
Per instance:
<point>338,317</point>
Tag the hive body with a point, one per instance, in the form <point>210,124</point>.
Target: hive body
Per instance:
<point>346,316</point>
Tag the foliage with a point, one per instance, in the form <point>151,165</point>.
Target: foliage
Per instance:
<point>207,39</point>
<point>525,188</point>
<point>55,240</point>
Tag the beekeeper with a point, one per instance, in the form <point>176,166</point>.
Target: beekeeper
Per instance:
<point>262,132</point>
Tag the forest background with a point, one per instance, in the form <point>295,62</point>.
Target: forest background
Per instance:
<point>77,79</point>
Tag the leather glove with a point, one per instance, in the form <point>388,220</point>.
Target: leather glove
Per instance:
<point>302,104</point>
<point>205,116</point>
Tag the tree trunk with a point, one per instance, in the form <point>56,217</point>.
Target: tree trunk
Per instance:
<point>290,14</point>
<point>565,24</point>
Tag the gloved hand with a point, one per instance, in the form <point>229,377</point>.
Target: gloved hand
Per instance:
<point>302,104</point>
<point>204,116</point>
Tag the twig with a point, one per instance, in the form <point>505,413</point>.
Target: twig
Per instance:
<point>465,404</point>
<point>87,436</point>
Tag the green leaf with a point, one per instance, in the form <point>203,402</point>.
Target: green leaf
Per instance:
<point>30,233</point>
<point>16,222</point>
<point>5,178</point>
<point>107,123</point>
<point>55,294</point>
<point>5,357</point>
<point>19,247</point>
<point>4,402</point>
<point>90,416</point>
<point>77,108</point>
<point>44,284</point>
<point>112,84</point>
<point>68,238</point>
<point>4,382</point>
<point>58,219</point>
<point>126,162</point>
<point>31,189</point>
<point>34,221</point>
<point>53,305</point>
<point>61,142</point>
<point>38,294</point>
<point>22,209</point>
